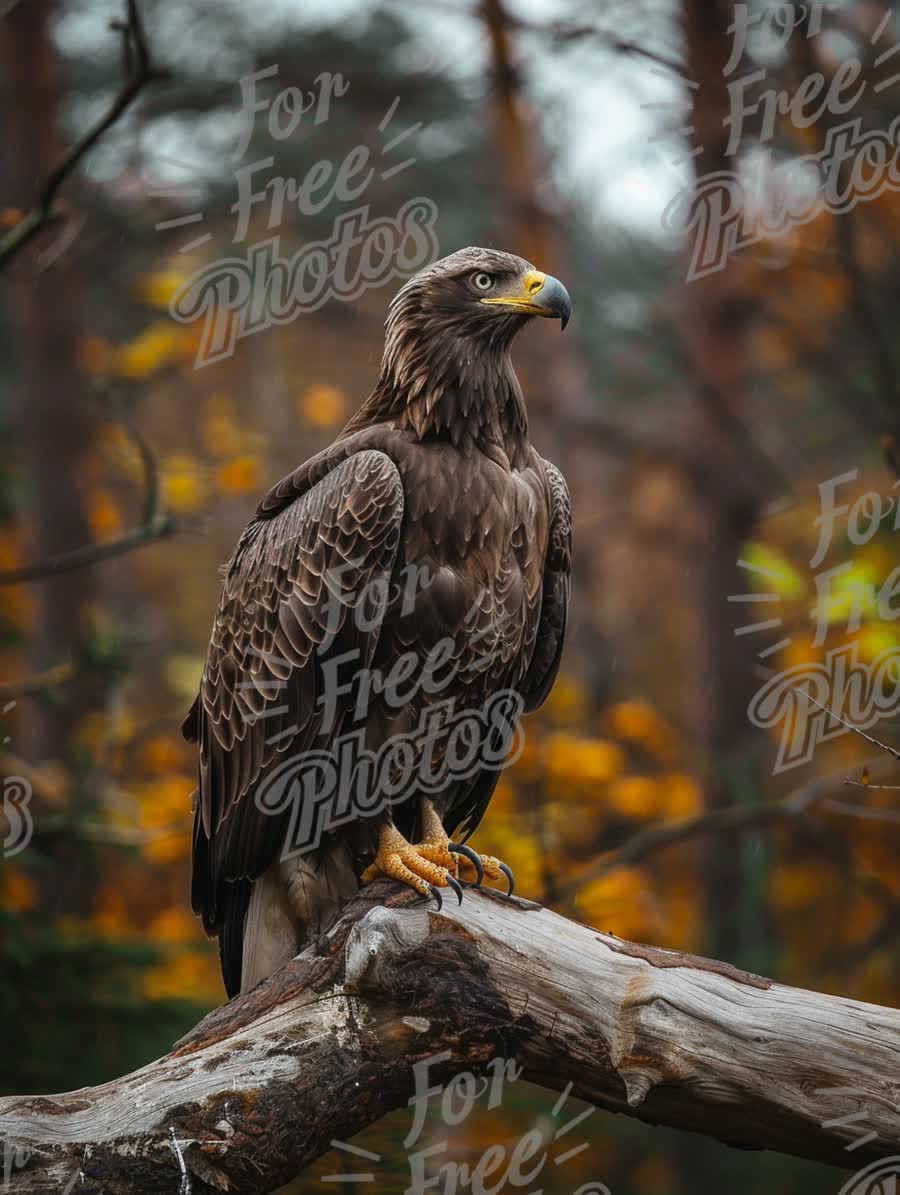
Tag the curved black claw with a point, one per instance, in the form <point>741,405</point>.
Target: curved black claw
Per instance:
<point>454,884</point>
<point>436,893</point>
<point>510,877</point>
<point>474,859</point>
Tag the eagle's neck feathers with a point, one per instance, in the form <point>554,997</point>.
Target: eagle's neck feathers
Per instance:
<point>440,383</point>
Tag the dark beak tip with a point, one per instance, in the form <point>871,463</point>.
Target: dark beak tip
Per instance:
<point>556,298</point>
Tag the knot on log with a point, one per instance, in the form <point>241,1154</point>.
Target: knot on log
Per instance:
<point>642,1051</point>
<point>639,1075</point>
<point>377,942</point>
<point>428,968</point>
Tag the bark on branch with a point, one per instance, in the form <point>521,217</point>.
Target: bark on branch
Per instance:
<point>261,1086</point>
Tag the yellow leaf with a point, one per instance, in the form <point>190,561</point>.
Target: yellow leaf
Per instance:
<point>633,720</point>
<point>634,796</point>
<point>617,902</point>
<point>168,847</point>
<point>222,436</point>
<point>794,886</point>
<point>186,974</point>
<point>165,801</point>
<point>874,639</point>
<point>173,925</point>
<point>183,485</point>
<point>19,892</point>
<point>111,913</point>
<point>680,796</point>
<point>853,592</point>
<point>157,289</point>
<point>103,514</point>
<point>560,751</point>
<point>567,701</point>
<point>772,572</point>
<point>161,754</point>
<point>239,476</point>
<point>801,650</point>
<point>156,346</point>
<point>322,406</point>
<point>528,765</point>
<point>597,761</point>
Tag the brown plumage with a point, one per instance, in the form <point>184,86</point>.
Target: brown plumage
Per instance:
<point>430,538</point>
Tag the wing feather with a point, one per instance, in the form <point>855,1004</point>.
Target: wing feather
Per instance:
<point>551,631</point>
<point>287,603</point>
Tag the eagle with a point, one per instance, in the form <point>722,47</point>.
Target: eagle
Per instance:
<point>391,609</point>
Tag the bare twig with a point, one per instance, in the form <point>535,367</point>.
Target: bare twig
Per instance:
<point>850,725</point>
<point>155,524</point>
<point>875,788</point>
<point>564,31</point>
<point>737,819</point>
<point>875,815</point>
<point>734,819</point>
<point>139,72</point>
<point>30,686</point>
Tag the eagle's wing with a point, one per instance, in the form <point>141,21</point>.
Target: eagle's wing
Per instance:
<point>551,632</point>
<point>288,602</point>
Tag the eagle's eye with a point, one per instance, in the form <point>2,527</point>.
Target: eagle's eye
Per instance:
<point>482,281</point>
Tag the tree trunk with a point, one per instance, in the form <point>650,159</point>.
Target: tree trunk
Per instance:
<point>55,412</point>
<point>713,315</point>
<point>262,1086</point>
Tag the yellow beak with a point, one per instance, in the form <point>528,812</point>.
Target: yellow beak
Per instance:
<point>541,294</point>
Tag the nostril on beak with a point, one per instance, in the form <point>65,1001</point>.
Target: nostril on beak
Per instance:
<point>535,285</point>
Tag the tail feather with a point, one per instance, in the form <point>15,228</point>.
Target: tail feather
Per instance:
<point>291,904</point>
<point>231,933</point>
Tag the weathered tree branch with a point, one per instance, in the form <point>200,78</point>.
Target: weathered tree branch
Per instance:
<point>263,1085</point>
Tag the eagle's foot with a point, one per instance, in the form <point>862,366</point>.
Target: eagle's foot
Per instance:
<point>410,864</point>
<point>438,853</point>
<point>435,844</point>
<point>486,865</point>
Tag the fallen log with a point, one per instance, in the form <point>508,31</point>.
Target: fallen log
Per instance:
<point>263,1085</point>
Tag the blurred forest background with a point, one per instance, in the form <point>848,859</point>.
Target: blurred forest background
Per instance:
<point>695,421</point>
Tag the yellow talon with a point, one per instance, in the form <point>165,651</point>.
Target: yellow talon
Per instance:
<point>492,869</point>
<point>432,863</point>
<point>401,860</point>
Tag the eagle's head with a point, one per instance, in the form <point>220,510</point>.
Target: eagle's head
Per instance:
<point>483,295</point>
<point>446,369</point>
